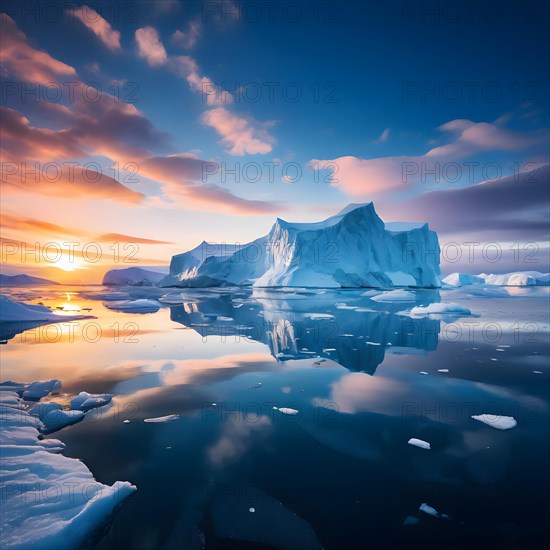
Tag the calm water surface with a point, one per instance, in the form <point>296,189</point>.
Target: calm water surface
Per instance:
<point>338,475</point>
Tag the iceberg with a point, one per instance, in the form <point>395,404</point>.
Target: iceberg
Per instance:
<point>516,278</point>
<point>18,312</point>
<point>142,305</point>
<point>352,249</point>
<point>440,308</point>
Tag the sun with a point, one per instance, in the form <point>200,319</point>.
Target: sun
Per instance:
<point>67,262</point>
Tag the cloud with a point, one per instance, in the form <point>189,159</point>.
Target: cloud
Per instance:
<point>239,135</point>
<point>121,238</point>
<point>189,38</point>
<point>99,26</point>
<point>22,223</point>
<point>25,62</point>
<point>150,47</point>
<point>384,136</point>
<point>181,176</point>
<point>362,177</point>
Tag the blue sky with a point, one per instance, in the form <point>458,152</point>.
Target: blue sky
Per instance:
<point>387,90</point>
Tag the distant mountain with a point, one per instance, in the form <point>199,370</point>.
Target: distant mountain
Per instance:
<point>23,280</point>
<point>135,276</point>
<point>349,250</point>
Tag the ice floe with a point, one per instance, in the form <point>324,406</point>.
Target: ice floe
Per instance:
<point>497,421</point>
<point>162,419</point>
<point>419,443</point>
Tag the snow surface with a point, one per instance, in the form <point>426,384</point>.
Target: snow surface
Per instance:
<point>48,500</point>
<point>496,421</point>
<point>352,249</point>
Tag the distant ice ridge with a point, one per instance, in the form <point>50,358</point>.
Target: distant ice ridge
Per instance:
<point>48,500</point>
<point>350,250</point>
<point>135,276</point>
<point>516,278</point>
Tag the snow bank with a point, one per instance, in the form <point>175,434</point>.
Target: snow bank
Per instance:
<point>352,249</point>
<point>496,421</point>
<point>48,500</point>
<point>440,308</point>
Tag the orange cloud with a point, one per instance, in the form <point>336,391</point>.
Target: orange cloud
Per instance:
<point>28,64</point>
<point>121,238</point>
<point>240,135</point>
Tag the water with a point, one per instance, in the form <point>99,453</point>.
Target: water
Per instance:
<point>339,474</point>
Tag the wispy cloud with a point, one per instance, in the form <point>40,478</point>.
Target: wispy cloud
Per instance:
<point>98,25</point>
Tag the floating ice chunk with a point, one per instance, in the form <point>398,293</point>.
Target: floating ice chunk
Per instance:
<point>142,305</point>
<point>162,419</point>
<point>442,370</point>
<point>373,344</point>
<point>56,419</point>
<point>256,385</point>
<point>537,372</point>
<point>85,401</point>
<point>440,308</point>
<point>319,316</point>
<point>38,390</point>
<point>496,421</point>
<point>427,509</point>
<point>395,296</point>
<point>42,409</point>
<point>286,410</point>
<point>419,443</point>
<point>423,372</point>
<point>126,421</point>
<point>252,510</point>
<point>461,279</point>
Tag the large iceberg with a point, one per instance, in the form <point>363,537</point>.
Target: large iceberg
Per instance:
<point>349,250</point>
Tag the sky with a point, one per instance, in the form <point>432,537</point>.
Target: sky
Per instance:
<point>134,130</point>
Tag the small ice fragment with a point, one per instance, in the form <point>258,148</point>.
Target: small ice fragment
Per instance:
<point>214,404</point>
<point>537,372</point>
<point>126,421</point>
<point>162,419</point>
<point>287,410</point>
<point>442,370</point>
<point>252,510</point>
<point>257,385</point>
<point>423,372</point>
<point>427,509</point>
<point>494,359</point>
<point>419,443</point>
<point>496,421</point>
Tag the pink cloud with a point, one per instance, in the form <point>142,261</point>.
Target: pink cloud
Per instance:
<point>150,47</point>
<point>240,135</point>
<point>19,59</point>
<point>187,39</point>
<point>99,26</point>
<point>363,177</point>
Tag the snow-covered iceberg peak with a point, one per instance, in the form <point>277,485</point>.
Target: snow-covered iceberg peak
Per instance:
<point>352,249</point>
